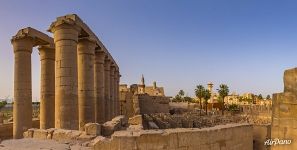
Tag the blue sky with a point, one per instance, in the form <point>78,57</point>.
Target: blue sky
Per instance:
<point>245,44</point>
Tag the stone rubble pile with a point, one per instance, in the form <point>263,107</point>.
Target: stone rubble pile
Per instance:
<point>194,120</point>
<point>83,137</point>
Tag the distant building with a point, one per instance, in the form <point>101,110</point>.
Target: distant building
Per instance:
<point>232,99</point>
<point>143,89</point>
<point>142,99</point>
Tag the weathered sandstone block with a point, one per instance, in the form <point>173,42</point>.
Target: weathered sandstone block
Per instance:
<point>93,129</point>
<point>111,126</point>
<point>66,135</point>
<point>123,119</point>
<point>135,120</point>
<point>85,137</point>
<point>290,80</point>
<point>40,134</point>
<point>29,133</point>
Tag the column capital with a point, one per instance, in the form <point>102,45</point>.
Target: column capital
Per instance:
<point>65,29</point>
<point>63,23</point>
<point>22,43</point>
<point>46,52</point>
<point>99,57</point>
<point>86,45</point>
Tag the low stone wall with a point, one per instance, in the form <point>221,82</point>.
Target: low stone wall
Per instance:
<point>146,104</point>
<point>230,136</point>
<point>6,129</point>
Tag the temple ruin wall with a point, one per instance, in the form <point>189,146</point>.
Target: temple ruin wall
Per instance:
<point>231,137</point>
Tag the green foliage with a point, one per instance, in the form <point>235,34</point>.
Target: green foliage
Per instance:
<point>268,97</point>
<point>181,98</point>
<point>188,99</point>
<point>206,97</point>
<point>177,98</point>
<point>260,96</point>
<point>223,92</point>
<point>2,104</point>
<point>181,93</point>
<point>202,93</point>
<point>199,91</point>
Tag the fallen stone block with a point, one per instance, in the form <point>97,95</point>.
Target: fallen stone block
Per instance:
<point>135,120</point>
<point>29,133</point>
<point>84,137</point>
<point>109,127</point>
<point>40,134</point>
<point>123,120</point>
<point>93,129</point>
<point>66,135</point>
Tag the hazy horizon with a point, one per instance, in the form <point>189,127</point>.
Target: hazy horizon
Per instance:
<point>179,44</point>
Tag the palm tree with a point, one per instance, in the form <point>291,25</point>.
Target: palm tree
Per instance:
<point>206,97</point>
<point>223,92</point>
<point>181,93</point>
<point>199,92</point>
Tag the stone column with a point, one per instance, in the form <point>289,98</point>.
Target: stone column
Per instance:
<point>114,94</point>
<point>47,87</point>
<point>66,103</point>
<point>99,88</point>
<point>117,90</point>
<point>86,99</point>
<point>22,106</point>
<point>107,89</point>
<point>112,69</point>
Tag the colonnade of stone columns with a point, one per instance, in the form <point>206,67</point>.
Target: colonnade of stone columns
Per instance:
<point>79,78</point>
<point>85,82</point>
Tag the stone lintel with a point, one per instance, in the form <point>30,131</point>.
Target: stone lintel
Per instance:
<point>38,37</point>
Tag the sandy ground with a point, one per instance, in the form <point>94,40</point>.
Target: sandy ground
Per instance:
<point>35,144</point>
